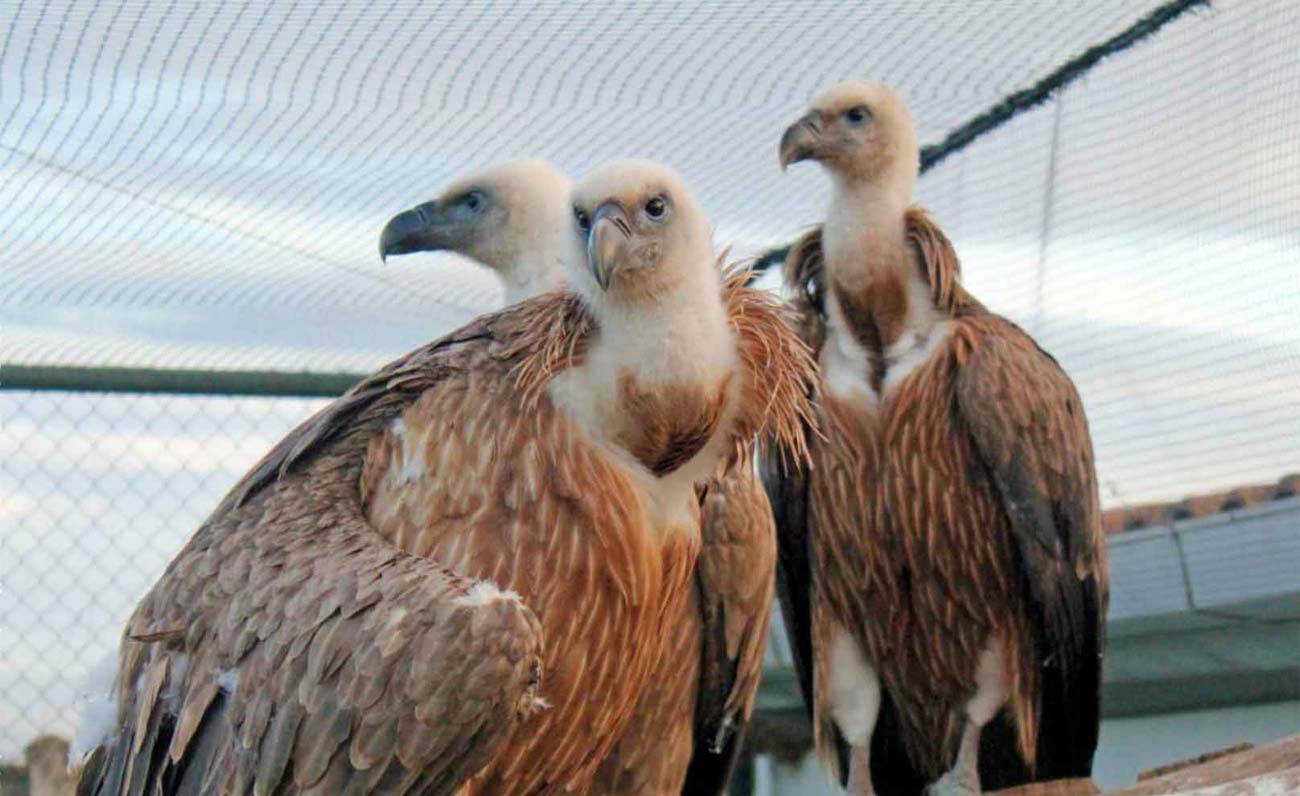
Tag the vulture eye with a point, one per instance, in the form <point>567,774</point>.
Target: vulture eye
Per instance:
<point>580,215</point>
<point>812,291</point>
<point>858,115</point>
<point>656,208</point>
<point>473,201</point>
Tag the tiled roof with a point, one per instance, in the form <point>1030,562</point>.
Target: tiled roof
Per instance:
<point>1130,518</point>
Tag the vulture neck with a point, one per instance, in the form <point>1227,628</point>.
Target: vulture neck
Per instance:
<point>533,274</point>
<point>882,304</point>
<point>660,369</point>
<point>865,235</point>
<point>676,337</point>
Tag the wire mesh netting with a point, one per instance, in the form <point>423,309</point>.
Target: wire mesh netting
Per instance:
<point>99,492</point>
<point>1145,228</point>
<point>188,185</point>
<point>230,165</point>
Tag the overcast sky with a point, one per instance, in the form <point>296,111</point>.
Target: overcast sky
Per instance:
<point>202,184</point>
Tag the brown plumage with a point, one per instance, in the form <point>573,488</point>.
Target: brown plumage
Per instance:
<point>943,567</point>
<point>316,657</point>
<point>419,492</point>
<point>687,728</point>
<point>440,583</point>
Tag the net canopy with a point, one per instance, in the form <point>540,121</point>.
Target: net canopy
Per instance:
<point>202,184</point>
<point>195,184</point>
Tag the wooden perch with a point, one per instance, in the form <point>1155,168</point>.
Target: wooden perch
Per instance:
<point>1247,772</point>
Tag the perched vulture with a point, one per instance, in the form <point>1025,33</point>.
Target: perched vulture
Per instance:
<point>458,577</point>
<point>686,731</point>
<point>943,571</point>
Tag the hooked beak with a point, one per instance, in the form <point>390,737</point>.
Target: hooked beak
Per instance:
<point>611,232</point>
<point>420,229</point>
<point>801,139</point>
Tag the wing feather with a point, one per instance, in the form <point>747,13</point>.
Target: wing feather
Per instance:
<point>735,571</point>
<point>786,479</point>
<point>320,657</point>
<point>1027,422</point>
<point>735,575</point>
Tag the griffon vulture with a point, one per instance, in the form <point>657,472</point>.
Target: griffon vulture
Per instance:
<point>516,218</point>
<point>457,578</point>
<point>943,570</point>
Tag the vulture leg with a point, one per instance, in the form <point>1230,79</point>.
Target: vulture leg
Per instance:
<point>991,691</point>
<point>964,778</point>
<point>854,703</point>
<point>860,772</point>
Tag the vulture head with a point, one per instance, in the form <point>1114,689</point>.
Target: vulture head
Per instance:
<point>860,132</point>
<point>645,234</point>
<point>513,218</point>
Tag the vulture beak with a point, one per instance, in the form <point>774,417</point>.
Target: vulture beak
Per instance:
<point>801,139</point>
<point>610,236</point>
<point>420,229</point>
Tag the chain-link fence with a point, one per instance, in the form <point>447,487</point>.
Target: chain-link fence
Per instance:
<point>200,185</point>
<point>99,491</point>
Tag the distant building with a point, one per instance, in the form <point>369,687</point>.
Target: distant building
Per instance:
<point>43,773</point>
<point>47,766</point>
<point>13,779</point>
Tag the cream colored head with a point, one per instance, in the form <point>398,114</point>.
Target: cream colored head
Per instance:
<point>646,236</point>
<point>513,217</point>
<point>860,132</point>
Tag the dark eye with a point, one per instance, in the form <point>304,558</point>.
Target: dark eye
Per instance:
<point>584,221</point>
<point>858,115</point>
<point>812,290</point>
<point>473,200</point>
<point>656,207</point>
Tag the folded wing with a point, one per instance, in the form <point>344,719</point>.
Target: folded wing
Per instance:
<point>290,649</point>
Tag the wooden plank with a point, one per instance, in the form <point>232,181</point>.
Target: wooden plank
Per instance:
<point>1278,783</point>
<point>1058,787</point>
<point>1213,770</point>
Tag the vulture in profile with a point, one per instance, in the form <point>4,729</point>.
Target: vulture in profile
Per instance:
<point>458,577</point>
<point>942,566</point>
<point>685,734</point>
